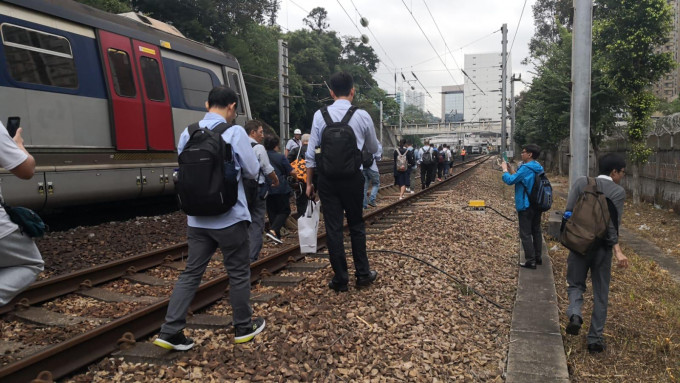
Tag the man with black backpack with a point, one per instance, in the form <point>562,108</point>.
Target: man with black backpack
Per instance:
<point>598,256</point>
<point>212,154</point>
<point>339,133</point>
<point>529,215</point>
<point>428,164</point>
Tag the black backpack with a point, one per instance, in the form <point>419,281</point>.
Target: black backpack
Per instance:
<point>366,158</point>
<point>207,181</point>
<point>541,196</point>
<point>339,156</point>
<point>427,157</point>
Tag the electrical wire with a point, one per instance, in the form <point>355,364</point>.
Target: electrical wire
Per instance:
<point>461,283</point>
<point>375,38</point>
<point>501,214</point>
<point>517,29</point>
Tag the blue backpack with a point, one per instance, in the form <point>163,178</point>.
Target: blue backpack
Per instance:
<point>541,196</point>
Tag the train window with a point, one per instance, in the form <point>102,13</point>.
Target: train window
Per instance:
<point>196,84</point>
<point>153,82</point>
<point>121,73</point>
<point>235,85</point>
<point>39,58</point>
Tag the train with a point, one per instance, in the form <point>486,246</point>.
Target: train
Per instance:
<point>102,99</point>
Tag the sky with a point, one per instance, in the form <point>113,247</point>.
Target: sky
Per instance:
<point>467,27</point>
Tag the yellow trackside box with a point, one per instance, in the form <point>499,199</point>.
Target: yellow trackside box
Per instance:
<point>477,204</point>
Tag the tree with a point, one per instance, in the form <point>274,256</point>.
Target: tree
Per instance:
<point>549,17</point>
<point>113,6</point>
<point>316,20</point>
<point>626,35</point>
<point>357,53</point>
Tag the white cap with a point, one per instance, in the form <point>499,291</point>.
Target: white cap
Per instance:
<point>297,131</point>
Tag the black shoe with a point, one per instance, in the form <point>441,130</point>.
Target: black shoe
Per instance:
<point>338,287</point>
<point>595,348</point>
<point>274,237</point>
<point>247,333</point>
<point>528,265</point>
<point>177,341</point>
<point>574,325</point>
<point>539,261</point>
<point>367,280</point>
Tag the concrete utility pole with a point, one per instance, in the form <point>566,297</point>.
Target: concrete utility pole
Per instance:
<point>512,112</point>
<point>504,78</point>
<point>284,95</point>
<point>581,55</point>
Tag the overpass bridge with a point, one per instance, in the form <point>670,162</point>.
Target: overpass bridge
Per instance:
<point>467,134</point>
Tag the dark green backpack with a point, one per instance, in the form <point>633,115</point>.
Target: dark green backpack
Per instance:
<point>28,221</point>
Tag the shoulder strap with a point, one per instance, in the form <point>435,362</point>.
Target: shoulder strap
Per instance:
<point>221,128</point>
<point>326,116</point>
<point>253,144</point>
<point>349,114</point>
<point>193,128</point>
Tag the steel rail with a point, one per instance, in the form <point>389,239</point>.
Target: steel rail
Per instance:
<point>88,347</point>
<point>68,283</point>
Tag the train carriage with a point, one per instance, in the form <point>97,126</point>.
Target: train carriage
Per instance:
<point>102,98</point>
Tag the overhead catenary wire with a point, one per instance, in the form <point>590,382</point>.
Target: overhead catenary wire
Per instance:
<point>428,39</point>
<point>517,29</point>
<point>375,38</point>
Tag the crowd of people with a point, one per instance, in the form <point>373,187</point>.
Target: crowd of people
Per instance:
<point>335,163</point>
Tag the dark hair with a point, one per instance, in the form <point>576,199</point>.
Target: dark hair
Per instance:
<point>611,161</point>
<point>253,126</point>
<point>341,84</point>
<point>221,97</point>
<point>533,149</point>
<point>402,142</point>
<point>408,142</point>
<point>270,142</point>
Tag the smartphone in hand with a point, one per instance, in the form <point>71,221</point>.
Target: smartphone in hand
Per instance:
<point>13,124</point>
<point>505,157</point>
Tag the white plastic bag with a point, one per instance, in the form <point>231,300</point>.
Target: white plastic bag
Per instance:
<point>308,227</point>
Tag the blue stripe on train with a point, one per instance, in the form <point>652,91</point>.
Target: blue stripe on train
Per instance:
<point>86,55</point>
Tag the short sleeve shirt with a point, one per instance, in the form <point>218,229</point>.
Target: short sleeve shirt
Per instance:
<point>292,144</point>
<point>10,157</point>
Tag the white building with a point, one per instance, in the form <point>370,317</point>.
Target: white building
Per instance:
<point>482,89</point>
<point>416,99</point>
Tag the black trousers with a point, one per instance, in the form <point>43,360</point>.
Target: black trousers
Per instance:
<point>301,199</point>
<point>427,174</point>
<point>278,210</point>
<point>344,197</point>
<point>530,233</point>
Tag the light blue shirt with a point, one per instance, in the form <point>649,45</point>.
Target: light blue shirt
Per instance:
<point>376,157</point>
<point>246,166</point>
<point>361,124</point>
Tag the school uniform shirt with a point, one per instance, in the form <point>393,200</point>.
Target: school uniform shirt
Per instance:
<point>292,144</point>
<point>376,157</point>
<point>246,166</point>
<point>262,159</point>
<point>361,123</point>
<point>10,157</point>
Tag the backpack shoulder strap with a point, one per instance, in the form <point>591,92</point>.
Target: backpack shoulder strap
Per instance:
<point>613,214</point>
<point>326,116</point>
<point>221,128</point>
<point>193,128</point>
<point>349,114</point>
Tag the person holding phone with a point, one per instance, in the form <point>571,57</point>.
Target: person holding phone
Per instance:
<point>20,259</point>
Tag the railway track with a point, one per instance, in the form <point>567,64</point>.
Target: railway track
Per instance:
<point>88,347</point>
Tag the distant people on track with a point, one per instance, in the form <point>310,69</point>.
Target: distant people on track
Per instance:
<point>411,166</point>
<point>372,180</point>
<point>447,160</point>
<point>344,193</point>
<point>612,168</point>
<point>278,201</point>
<point>441,158</point>
<point>427,163</point>
<point>299,185</point>
<point>529,217</point>
<point>403,160</point>
<point>463,153</point>
<point>257,203</point>
<point>20,259</point>
<point>228,231</point>
<point>294,142</point>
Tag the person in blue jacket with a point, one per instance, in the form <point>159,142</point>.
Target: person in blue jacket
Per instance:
<point>529,217</point>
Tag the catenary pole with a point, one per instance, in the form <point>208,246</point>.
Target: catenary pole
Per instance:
<point>504,78</point>
<point>579,144</point>
<point>284,96</point>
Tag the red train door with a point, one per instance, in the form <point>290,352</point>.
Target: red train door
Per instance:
<point>158,114</point>
<point>126,96</point>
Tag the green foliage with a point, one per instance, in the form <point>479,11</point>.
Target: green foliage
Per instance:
<point>667,108</point>
<point>627,34</point>
<point>113,6</point>
<point>316,20</point>
<point>549,16</point>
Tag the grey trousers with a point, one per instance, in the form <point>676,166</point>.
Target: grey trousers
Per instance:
<point>256,228</point>
<point>233,241</point>
<point>599,262</point>
<point>20,264</point>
